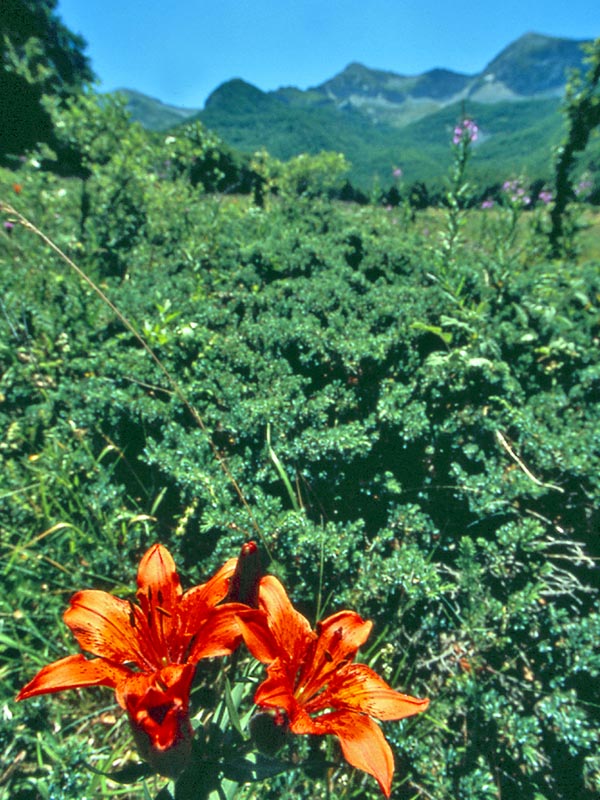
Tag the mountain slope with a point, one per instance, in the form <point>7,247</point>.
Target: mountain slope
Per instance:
<point>533,65</point>
<point>380,119</point>
<point>152,113</point>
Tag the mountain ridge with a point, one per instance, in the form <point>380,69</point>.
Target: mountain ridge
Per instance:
<point>534,65</point>
<point>380,119</point>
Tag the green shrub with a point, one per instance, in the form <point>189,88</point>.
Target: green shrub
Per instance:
<point>426,454</point>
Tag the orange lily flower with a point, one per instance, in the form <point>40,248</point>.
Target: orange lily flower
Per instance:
<point>312,678</point>
<point>147,651</point>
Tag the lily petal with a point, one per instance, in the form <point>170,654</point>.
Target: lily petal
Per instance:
<point>219,634</point>
<point>258,637</point>
<point>111,628</point>
<point>277,690</point>
<point>157,571</point>
<point>74,672</point>
<point>338,638</point>
<point>198,601</point>
<point>291,630</point>
<point>173,681</point>
<point>363,743</point>
<point>343,633</point>
<point>359,688</point>
<point>158,709</point>
<point>159,591</point>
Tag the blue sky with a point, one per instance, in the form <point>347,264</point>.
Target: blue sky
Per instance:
<point>180,51</point>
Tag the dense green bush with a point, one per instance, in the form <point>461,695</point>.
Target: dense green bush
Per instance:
<point>422,450</point>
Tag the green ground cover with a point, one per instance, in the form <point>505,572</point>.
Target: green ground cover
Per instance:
<point>408,401</point>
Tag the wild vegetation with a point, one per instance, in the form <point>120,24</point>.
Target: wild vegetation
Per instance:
<point>400,405</point>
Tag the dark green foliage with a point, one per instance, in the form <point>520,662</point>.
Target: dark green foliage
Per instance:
<point>38,56</point>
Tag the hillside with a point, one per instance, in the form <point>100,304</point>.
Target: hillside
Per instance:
<point>533,65</point>
<point>154,114</point>
<point>514,137</point>
<point>380,119</point>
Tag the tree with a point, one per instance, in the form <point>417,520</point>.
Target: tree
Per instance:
<point>38,56</point>
<point>583,113</point>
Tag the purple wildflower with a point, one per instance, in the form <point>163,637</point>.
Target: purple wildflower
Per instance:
<point>487,203</point>
<point>467,131</point>
<point>516,192</point>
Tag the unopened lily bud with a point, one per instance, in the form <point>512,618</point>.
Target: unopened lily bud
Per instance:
<point>245,581</point>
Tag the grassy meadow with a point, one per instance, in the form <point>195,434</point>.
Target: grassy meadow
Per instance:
<point>407,400</point>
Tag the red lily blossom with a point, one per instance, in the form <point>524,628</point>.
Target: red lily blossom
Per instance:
<point>147,651</point>
<point>312,677</point>
<point>158,708</point>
